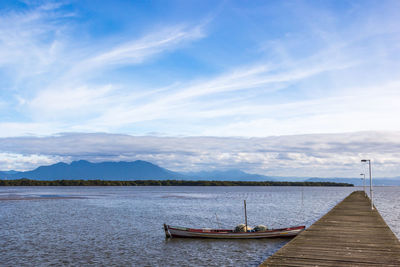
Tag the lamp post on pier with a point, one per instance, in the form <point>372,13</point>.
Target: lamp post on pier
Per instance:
<point>370,181</point>
<point>363,174</point>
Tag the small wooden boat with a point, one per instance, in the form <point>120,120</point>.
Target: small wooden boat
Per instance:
<point>175,231</point>
<point>242,231</point>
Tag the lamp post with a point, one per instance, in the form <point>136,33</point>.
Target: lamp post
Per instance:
<point>370,181</point>
<point>363,174</point>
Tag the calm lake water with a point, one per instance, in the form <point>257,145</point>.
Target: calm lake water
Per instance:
<point>122,226</point>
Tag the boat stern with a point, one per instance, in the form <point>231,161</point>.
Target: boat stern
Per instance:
<point>166,230</point>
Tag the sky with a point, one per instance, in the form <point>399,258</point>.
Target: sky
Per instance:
<point>171,80</point>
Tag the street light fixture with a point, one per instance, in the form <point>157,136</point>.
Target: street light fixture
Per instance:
<point>370,181</point>
<point>363,174</point>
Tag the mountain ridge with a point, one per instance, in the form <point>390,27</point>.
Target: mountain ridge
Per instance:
<point>144,170</point>
<point>82,169</point>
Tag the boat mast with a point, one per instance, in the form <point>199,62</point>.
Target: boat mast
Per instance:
<point>245,213</point>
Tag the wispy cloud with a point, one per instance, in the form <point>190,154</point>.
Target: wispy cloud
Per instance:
<point>136,51</point>
<point>313,75</point>
<point>49,70</point>
<point>213,97</point>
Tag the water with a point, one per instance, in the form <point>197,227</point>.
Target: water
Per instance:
<point>122,226</point>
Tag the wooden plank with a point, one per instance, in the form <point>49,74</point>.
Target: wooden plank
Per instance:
<point>351,234</point>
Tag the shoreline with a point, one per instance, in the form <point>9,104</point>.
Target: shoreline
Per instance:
<point>29,182</point>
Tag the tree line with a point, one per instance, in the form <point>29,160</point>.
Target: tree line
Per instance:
<point>28,182</point>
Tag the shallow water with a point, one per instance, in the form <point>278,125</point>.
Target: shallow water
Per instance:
<point>122,226</point>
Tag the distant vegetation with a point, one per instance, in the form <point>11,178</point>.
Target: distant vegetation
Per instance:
<point>28,182</point>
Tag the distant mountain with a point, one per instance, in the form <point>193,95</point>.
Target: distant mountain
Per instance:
<point>137,170</point>
<point>6,173</point>
<point>227,175</point>
<point>358,181</point>
<point>9,172</point>
<point>143,170</point>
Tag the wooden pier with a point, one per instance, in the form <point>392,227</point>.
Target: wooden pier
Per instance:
<point>351,234</point>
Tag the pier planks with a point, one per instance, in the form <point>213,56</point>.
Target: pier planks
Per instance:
<point>351,234</point>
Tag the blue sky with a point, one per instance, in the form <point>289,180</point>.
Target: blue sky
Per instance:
<point>197,68</point>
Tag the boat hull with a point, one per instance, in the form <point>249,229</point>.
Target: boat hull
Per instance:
<point>173,231</point>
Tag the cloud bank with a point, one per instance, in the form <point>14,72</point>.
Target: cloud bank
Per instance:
<point>322,155</point>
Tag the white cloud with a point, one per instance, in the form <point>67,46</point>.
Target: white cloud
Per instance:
<point>20,162</point>
<point>354,112</point>
<point>324,155</point>
<point>70,102</point>
<point>28,128</point>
